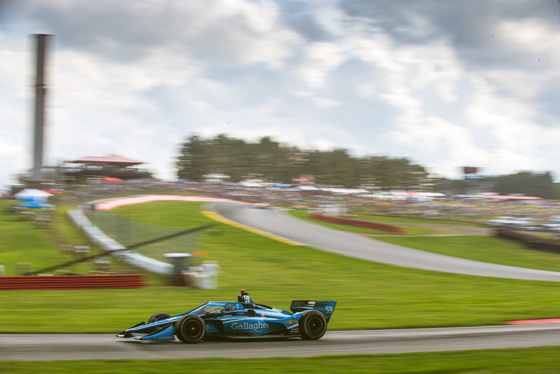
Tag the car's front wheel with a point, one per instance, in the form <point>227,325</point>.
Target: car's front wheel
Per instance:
<point>158,317</point>
<point>312,325</point>
<point>190,329</point>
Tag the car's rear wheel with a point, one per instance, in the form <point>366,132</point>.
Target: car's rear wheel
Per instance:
<point>312,325</point>
<point>190,329</point>
<point>158,317</point>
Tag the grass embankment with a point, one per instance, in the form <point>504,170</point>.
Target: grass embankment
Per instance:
<point>26,246</point>
<point>369,295</point>
<point>511,361</point>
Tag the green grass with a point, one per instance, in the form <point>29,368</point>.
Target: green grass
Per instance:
<point>22,241</point>
<point>511,361</point>
<point>483,248</point>
<point>369,295</point>
<point>63,230</point>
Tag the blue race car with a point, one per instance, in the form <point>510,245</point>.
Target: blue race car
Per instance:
<point>241,319</point>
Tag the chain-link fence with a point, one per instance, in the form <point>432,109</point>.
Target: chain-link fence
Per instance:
<point>128,232</point>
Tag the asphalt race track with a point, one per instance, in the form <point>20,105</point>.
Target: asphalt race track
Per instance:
<point>47,347</point>
<point>279,223</point>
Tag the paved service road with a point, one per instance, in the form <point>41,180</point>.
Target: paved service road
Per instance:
<point>279,223</point>
<point>47,347</point>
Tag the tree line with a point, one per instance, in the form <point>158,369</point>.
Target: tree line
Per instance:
<point>270,161</point>
<point>522,183</point>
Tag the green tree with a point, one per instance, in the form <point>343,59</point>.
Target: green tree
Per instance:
<point>273,162</point>
<point>193,161</point>
<point>527,183</point>
<point>396,173</point>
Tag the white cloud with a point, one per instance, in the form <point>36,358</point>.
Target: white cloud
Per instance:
<point>323,102</point>
<point>529,34</point>
<point>509,124</point>
<point>448,146</point>
<point>16,120</point>
<point>141,76</point>
<point>321,59</point>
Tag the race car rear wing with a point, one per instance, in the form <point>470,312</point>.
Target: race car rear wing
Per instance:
<point>325,307</point>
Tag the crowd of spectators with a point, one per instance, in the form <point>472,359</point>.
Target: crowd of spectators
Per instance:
<point>476,209</point>
<point>465,208</point>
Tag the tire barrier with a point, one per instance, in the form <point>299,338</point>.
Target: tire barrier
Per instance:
<point>530,241</point>
<point>71,282</point>
<point>358,223</point>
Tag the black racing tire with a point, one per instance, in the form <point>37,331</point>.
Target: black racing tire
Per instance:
<point>158,317</point>
<point>190,329</point>
<point>312,325</point>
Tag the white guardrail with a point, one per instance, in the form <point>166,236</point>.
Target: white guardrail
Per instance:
<point>132,257</point>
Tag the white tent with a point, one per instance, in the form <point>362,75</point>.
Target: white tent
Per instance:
<point>250,184</point>
<point>308,188</point>
<point>32,194</point>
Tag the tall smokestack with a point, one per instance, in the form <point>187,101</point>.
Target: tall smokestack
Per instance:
<point>39,116</point>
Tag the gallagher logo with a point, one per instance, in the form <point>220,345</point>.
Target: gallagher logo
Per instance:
<point>249,325</point>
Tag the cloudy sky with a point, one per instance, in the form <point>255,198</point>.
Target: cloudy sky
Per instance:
<point>443,83</point>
